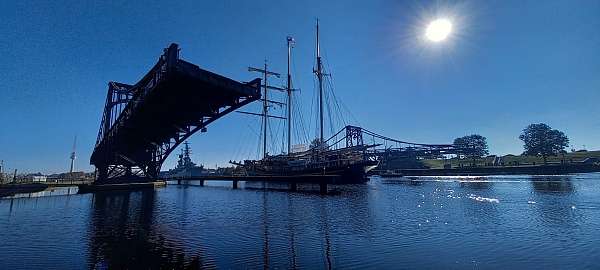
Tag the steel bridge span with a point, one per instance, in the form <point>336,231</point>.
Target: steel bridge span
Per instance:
<point>143,123</point>
<point>379,144</point>
<point>385,149</point>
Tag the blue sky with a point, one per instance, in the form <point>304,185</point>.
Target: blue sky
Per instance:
<point>507,64</point>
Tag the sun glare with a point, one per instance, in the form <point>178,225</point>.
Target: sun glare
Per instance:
<point>438,30</point>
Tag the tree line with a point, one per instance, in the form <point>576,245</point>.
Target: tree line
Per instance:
<point>538,140</point>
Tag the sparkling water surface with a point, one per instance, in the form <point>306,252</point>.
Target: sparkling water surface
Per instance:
<point>501,222</point>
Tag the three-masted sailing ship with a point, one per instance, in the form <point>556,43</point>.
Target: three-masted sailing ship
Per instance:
<point>351,163</point>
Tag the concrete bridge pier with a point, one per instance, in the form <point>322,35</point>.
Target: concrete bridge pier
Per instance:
<point>235,184</point>
<point>293,186</point>
<point>323,188</point>
<point>201,183</point>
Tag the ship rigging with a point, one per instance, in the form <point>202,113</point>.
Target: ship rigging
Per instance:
<point>324,156</point>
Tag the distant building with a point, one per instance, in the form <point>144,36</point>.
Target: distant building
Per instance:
<point>35,177</point>
<point>297,148</point>
<point>70,176</point>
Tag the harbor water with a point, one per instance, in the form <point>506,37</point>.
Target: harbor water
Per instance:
<point>503,222</point>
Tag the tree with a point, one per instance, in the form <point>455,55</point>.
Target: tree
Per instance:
<point>474,145</point>
<point>317,144</point>
<point>542,140</point>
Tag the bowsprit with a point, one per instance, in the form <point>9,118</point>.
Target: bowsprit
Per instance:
<point>143,123</point>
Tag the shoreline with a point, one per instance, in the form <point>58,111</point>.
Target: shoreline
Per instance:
<point>7,190</point>
<point>549,169</point>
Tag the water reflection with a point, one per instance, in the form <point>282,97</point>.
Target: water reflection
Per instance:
<point>480,202</point>
<point>326,233</point>
<point>291,231</point>
<point>123,235</point>
<point>408,181</point>
<point>555,200</point>
<point>477,185</point>
<point>538,223</point>
<point>553,184</point>
<point>127,230</point>
<point>265,223</point>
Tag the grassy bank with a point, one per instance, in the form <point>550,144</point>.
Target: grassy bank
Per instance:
<point>512,159</point>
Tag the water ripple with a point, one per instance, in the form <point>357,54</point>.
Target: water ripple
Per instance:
<point>444,222</point>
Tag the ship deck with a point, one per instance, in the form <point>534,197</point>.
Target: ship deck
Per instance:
<point>316,179</point>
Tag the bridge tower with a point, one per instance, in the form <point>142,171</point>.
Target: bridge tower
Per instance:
<point>354,136</point>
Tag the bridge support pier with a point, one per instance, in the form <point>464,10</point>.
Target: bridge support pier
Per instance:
<point>235,184</point>
<point>101,173</point>
<point>293,186</point>
<point>323,188</point>
<point>201,183</point>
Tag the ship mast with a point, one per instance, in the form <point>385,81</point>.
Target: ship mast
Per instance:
<point>186,150</point>
<point>266,73</point>
<point>290,44</point>
<point>319,72</point>
<point>265,111</point>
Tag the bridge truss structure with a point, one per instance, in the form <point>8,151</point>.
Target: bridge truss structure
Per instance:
<point>144,122</point>
<point>384,148</point>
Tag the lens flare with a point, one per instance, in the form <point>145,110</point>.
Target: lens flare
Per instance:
<point>438,30</point>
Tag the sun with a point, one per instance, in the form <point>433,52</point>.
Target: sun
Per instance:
<point>438,30</point>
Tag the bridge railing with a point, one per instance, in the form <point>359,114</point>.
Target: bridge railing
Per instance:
<point>379,146</point>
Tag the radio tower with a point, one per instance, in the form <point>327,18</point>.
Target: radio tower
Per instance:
<point>73,157</point>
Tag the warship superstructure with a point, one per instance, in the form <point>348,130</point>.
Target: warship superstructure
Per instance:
<point>185,166</point>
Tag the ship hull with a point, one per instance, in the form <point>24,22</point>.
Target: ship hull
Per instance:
<point>349,174</point>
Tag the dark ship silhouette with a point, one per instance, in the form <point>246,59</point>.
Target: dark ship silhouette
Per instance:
<point>185,166</point>
<point>349,162</point>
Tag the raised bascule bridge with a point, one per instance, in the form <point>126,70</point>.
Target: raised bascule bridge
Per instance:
<point>143,123</point>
